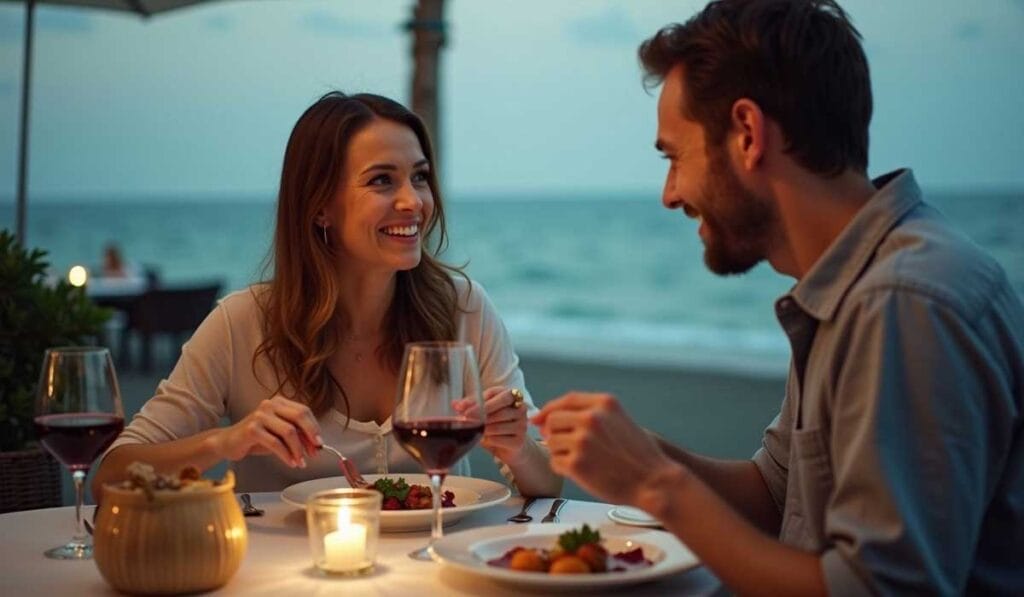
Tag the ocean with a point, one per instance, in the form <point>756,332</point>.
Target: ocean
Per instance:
<point>614,279</point>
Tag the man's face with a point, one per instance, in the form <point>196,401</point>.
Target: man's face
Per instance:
<point>736,225</point>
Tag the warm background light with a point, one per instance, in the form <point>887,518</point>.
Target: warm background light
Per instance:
<point>77,276</point>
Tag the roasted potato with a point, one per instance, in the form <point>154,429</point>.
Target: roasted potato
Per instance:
<point>569,564</point>
<point>528,560</point>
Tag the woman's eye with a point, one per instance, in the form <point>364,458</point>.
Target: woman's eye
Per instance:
<point>380,180</point>
<point>420,176</point>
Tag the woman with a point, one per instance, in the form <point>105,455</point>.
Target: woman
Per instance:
<point>312,356</point>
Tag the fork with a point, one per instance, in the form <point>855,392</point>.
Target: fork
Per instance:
<point>556,507</point>
<point>355,480</point>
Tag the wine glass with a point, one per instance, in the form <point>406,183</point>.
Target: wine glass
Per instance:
<point>439,415</point>
<point>78,414</point>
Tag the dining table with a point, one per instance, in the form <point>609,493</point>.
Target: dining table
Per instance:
<point>278,560</point>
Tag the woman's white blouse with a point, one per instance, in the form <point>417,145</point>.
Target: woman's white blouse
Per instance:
<point>214,382</point>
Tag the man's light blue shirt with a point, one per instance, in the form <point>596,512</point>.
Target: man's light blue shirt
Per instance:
<point>898,453</point>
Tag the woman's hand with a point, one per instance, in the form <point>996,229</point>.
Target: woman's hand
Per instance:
<point>278,426</point>
<point>504,423</point>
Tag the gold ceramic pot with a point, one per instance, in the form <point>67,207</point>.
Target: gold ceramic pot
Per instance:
<point>178,542</point>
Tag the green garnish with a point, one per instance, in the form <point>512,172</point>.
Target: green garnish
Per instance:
<point>391,488</point>
<point>572,540</point>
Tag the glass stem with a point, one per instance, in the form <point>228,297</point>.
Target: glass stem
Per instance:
<point>437,530</point>
<point>79,479</point>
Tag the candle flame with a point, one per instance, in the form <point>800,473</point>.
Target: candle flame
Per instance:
<point>344,518</point>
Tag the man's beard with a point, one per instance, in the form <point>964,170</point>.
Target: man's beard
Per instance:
<point>740,224</point>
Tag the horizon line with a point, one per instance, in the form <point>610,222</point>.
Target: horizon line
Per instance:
<point>458,196</point>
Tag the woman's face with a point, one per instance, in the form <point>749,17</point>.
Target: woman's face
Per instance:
<point>383,201</point>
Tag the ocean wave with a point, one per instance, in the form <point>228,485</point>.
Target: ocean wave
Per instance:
<point>650,344</point>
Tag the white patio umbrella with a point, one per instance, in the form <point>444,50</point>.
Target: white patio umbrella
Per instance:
<point>143,8</point>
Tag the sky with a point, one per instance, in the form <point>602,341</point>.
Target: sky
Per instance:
<point>538,96</point>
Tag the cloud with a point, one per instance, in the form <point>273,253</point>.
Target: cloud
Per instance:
<point>613,26</point>
<point>64,21</point>
<point>327,23</point>
<point>969,30</point>
<point>221,22</point>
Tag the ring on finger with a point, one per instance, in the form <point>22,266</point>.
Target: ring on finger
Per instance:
<point>517,398</point>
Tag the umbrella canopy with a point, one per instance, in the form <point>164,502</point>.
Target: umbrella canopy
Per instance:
<point>141,7</point>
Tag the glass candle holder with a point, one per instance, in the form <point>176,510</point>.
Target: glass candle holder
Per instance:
<point>343,526</point>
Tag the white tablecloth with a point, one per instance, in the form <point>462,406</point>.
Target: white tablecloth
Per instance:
<point>278,561</point>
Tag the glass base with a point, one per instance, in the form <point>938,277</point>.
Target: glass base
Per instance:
<point>71,551</point>
<point>365,570</point>
<point>424,554</point>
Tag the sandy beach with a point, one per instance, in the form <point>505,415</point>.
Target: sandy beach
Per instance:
<point>715,413</point>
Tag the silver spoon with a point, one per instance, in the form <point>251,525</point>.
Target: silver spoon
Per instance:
<point>523,516</point>
<point>355,480</point>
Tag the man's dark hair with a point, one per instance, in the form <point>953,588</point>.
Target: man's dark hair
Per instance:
<point>801,61</point>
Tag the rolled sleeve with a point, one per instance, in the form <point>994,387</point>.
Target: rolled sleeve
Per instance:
<point>770,460</point>
<point>193,397</point>
<point>499,363</point>
<point>911,422</point>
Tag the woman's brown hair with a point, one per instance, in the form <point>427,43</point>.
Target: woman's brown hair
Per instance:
<point>300,303</point>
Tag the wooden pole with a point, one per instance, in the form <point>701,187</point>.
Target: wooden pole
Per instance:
<point>428,29</point>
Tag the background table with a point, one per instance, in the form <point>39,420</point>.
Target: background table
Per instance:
<point>278,561</point>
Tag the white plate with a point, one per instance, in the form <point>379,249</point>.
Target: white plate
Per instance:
<point>470,494</point>
<point>468,551</point>
<point>633,517</point>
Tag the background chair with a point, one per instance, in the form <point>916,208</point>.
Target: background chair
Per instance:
<point>172,310</point>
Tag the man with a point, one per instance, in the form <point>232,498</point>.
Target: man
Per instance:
<point>896,463</point>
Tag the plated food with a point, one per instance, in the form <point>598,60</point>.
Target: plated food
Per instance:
<point>468,495</point>
<point>472,551</point>
<point>577,551</point>
<point>400,495</point>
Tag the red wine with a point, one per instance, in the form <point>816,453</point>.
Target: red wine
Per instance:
<point>438,443</point>
<point>79,438</point>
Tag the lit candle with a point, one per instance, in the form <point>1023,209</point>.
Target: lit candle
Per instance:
<point>345,548</point>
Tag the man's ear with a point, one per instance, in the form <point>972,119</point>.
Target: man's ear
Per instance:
<point>750,128</point>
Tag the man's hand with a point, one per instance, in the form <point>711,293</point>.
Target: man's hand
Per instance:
<point>595,443</point>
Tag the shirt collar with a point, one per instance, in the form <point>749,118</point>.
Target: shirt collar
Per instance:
<point>823,288</point>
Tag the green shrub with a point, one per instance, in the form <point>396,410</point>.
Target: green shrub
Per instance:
<point>35,314</point>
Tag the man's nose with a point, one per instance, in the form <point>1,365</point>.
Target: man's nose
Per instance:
<point>669,197</point>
